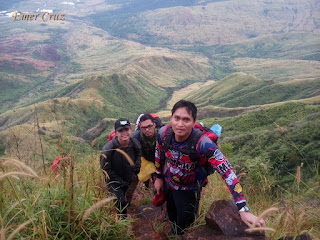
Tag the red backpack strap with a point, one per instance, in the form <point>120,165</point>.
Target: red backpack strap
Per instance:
<point>112,134</point>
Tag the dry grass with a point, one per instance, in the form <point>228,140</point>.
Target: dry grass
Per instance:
<point>98,204</point>
<point>16,174</point>
<point>126,156</point>
<point>253,227</point>
<point>21,166</point>
<point>284,218</point>
<point>294,219</point>
<point>279,70</point>
<point>18,229</point>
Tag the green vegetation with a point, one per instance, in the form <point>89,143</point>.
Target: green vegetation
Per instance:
<point>242,90</point>
<point>284,135</point>
<point>266,145</point>
<point>290,46</point>
<point>33,65</point>
<point>48,206</point>
<point>286,46</point>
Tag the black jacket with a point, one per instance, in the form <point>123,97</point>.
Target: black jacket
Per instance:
<point>115,163</point>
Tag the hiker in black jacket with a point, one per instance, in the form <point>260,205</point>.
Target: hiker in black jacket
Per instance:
<point>121,159</point>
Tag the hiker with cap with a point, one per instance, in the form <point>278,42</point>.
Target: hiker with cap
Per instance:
<point>120,161</point>
<point>182,156</point>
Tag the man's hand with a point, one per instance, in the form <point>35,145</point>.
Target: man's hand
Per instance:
<point>158,185</point>
<point>248,218</point>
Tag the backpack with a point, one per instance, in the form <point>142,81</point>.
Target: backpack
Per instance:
<point>111,135</point>
<point>55,165</point>
<point>209,132</point>
<point>190,150</point>
<point>156,118</point>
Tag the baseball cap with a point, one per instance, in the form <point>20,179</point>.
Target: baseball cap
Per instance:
<point>122,123</point>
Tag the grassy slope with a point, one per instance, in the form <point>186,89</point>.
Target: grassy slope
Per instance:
<point>243,90</point>
<point>137,87</point>
<point>285,46</point>
<point>31,61</point>
<point>168,71</point>
<point>45,56</point>
<point>285,134</point>
<point>273,57</point>
<point>210,23</point>
<point>110,96</point>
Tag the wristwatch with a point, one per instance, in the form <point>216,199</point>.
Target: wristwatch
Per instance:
<point>245,208</point>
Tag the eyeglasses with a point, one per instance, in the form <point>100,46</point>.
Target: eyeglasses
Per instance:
<point>147,127</point>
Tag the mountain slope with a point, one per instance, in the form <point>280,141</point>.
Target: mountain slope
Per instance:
<point>210,22</point>
<point>138,87</point>
<point>167,71</point>
<point>281,136</point>
<point>243,90</point>
<point>43,58</point>
<point>275,57</point>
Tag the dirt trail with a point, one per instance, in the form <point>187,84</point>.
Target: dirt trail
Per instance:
<point>142,210</point>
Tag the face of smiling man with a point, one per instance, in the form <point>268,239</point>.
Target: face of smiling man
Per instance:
<point>182,123</point>
<point>124,136</point>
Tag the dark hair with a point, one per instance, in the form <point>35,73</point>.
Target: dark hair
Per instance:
<point>145,117</point>
<point>191,108</point>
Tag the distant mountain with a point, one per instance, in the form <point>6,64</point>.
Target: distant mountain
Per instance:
<point>207,22</point>
<point>34,65</point>
<point>274,57</point>
<point>139,87</point>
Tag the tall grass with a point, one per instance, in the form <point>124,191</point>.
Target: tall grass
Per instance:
<point>70,205</point>
<point>290,214</point>
<point>74,204</point>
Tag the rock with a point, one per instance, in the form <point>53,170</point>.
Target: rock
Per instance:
<point>222,223</point>
<point>41,131</point>
<point>94,132</point>
<point>207,233</point>
<point>223,217</point>
<point>300,237</point>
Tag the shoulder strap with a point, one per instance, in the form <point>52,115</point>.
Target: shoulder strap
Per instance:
<point>192,146</point>
<point>167,136</point>
<point>136,145</point>
<point>191,150</point>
